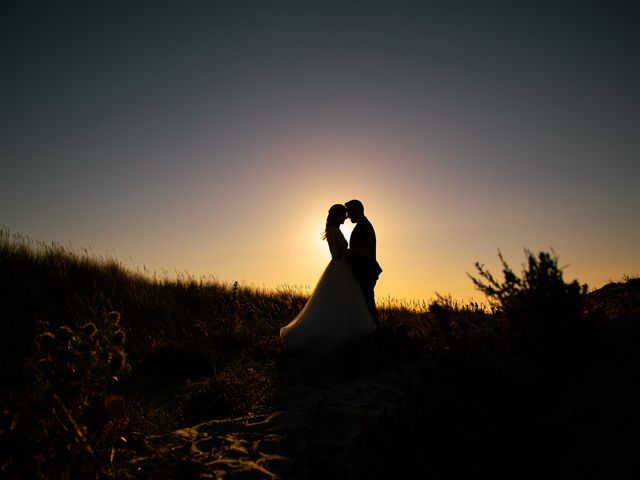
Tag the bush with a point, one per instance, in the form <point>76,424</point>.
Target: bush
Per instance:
<point>69,426</point>
<point>542,312</point>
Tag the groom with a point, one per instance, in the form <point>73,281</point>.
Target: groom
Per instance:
<point>362,254</point>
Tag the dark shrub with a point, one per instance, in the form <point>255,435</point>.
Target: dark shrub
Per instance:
<point>542,312</point>
<point>70,423</point>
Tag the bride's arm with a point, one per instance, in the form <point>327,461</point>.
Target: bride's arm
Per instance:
<point>337,243</point>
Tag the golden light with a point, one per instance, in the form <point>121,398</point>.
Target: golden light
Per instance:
<point>286,200</point>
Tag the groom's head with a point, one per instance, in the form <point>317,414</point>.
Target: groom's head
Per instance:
<point>355,210</point>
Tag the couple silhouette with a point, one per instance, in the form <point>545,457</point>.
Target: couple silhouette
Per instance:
<point>342,306</point>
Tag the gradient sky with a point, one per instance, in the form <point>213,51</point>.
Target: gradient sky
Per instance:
<point>212,137</point>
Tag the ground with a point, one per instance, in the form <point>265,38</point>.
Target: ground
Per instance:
<point>316,427</point>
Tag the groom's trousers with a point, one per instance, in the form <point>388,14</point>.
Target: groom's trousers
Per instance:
<point>367,287</point>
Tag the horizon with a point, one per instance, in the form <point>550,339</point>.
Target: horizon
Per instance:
<point>177,275</point>
<point>212,137</point>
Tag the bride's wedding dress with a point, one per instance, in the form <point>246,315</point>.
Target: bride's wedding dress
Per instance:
<point>336,312</point>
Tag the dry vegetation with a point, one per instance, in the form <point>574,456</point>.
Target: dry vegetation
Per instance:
<point>96,358</point>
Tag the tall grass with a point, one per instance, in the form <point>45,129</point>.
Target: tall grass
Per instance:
<point>96,356</point>
<point>211,343</point>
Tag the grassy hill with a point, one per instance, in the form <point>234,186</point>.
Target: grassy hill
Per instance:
<point>97,359</point>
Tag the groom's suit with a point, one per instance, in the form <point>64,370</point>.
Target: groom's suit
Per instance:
<point>365,267</point>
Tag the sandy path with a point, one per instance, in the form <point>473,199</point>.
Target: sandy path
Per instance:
<point>309,425</point>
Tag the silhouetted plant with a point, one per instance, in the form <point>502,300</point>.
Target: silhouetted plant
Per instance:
<point>543,313</point>
<point>72,368</point>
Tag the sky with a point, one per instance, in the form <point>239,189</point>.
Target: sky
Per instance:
<point>210,138</point>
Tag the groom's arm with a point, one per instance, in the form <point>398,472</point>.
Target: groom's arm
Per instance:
<point>361,251</point>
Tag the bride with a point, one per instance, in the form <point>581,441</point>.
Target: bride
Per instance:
<point>337,311</point>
